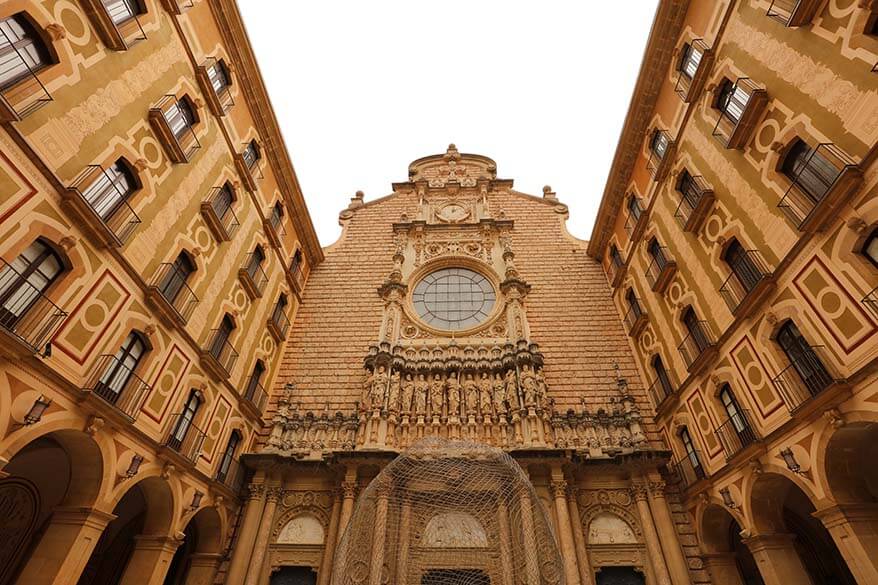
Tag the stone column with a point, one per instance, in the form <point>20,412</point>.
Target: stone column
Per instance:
<point>349,489</point>
<point>329,543</point>
<point>260,548</point>
<point>65,547</point>
<point>505,543</point>
<point>653,547</point>
<point>565,533</point>
<point>579,539</point>
<point>854,528</point>
<point>532,569</point>
<point>723,568</point>
<point>378,536</point>
<point>150,560</point>
<point>404,540</point>
<point>670,540</point>
<point>777,559</point>
<point>202,568</point>
<point>246,537</point>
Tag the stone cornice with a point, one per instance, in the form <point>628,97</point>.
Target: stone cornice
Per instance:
<point>663,37</point>
<point>253,88</point>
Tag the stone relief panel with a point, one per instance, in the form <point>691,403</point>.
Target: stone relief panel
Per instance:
<point>454,530</point>
<point>305,529</point>
<point>608,528</point>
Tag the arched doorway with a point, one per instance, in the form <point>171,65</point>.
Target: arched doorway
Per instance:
<point>726,556</point>
<point>51,475</point>
<point>784,513</point>
<point>294,576</point>
<point>619,576</point>
<point>196,560</point>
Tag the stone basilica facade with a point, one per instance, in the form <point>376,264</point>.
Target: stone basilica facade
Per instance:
<point>457,391</point>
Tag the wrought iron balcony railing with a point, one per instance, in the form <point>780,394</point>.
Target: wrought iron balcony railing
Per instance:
<point>688,470</point>
<point>741,110</point>
<point>180,142</point>
<point>660,270</point>
<point>736,433</point>
<point>26,94</point>
<point>25,312</point>
<point>219,95</point>
<point>252,276</point>
<point>696,199</point>
<point>99,201</point>
<point>219,215</point>
<point>662,388</point>
<point>804,378</point>
<point>697,344</point>
<point>871,301</point>
<point>184,437</point>
<point>635,318</point>
<point>747,277</point>
<point>255,394</point>
<point>230,474</point>
<point>117,25</point>
<point>220,351</point>
<point>818,185</point>
<point>118,386</point>
<point>793,12</point>
<point>688,87</point>
<point>170,294</point>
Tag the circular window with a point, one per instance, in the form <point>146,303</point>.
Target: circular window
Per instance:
<point>454,298</point>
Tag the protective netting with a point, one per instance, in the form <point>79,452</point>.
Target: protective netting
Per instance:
<point>449,513</point>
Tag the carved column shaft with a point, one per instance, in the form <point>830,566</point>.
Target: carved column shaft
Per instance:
<point>329,541</point>
<point>667,532</point>
<point>653,546</point>
<point>579,539</point>
<point>378,538</point>
<point>263,535</point>
<point>246,534</point>
<point>565,533</point>
<point>349,490</point>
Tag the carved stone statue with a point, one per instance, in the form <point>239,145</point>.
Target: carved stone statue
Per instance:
<point>528,385</point>
<point>367,389</point>
<point>393,393</point>
<point>453,395</point>
<point>471,394</point>
<point>485,392</point>
<point>499,393</point>
<point>408,392</point>
<point>421,388</point>
<point>511,388</point>
<point>379,387</point>
<point>542,387</point>
<point>437,394</point>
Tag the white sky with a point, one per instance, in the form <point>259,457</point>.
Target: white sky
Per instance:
<point>361,89</point>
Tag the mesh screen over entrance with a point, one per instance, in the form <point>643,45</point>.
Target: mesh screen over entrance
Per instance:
<point>449,513</point>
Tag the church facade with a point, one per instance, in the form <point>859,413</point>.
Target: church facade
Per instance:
<point>457,391</point>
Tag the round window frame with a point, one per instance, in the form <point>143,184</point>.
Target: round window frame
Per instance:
<point>456,262</point>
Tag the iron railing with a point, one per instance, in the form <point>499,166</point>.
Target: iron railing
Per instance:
<point>24,93</point>
<point>219,348</point>
<point>125,31</point>
<point>170,283</point>
<point>230,474</point>
<point>222,214</point>
<point>100,193</point>
<point>25,312</point>
<point>118,386</point>
<point>688,470</point>
<point>813,179</point>
<point>660,262</point>
<point>699,340</point>
<point>871,301</point>
<point>255,394</point>
<point>655,162</point>
<point>787,12</point>
<point>634,315</point>
<point>184,135</point>
<point>692,195</point>
<point>184,437</point>
<point>252,270</point>
<point>684,80</point>
<point>732,112</point>
<point>804,378</point>
<point>224,93</point>
<point>280,321</point>
<point>661,389</point>
<point>736,433</point>
<point>747,273</point>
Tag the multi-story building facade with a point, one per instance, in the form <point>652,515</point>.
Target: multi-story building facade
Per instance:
<point>739,230</point>
<point>154,248</point>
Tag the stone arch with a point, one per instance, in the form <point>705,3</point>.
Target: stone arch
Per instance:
<point>160,496</point>
<point>841,453</point>
<point>714,524</point>
<point>766,494</point>
<point>608,526</point>
<point>454,530</point>
<point>209,524</point>
<point>303,528</point>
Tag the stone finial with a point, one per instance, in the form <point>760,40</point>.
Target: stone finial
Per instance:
<point>356,200</point>
<point>549,194</point>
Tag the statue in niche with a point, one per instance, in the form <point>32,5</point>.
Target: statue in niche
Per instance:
<point>542,388</point>
<point>379,387</point>
<point>367,389</point>
<point>393,393</point>
<point>485,388</point>
<point>453,395</point>
<point>471,394</point>
<point>511,388</point>
<point>437,392</point>
<point>499,393</point>
<point>421,388</point>
<point>407,392</point>
<point>528,385</point>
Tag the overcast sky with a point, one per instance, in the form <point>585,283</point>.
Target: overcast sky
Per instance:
<point>361,89</point>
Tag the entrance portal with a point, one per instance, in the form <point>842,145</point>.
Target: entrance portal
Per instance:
<point>294,576</point>
<point>455,577</point>
<point>619,576</point>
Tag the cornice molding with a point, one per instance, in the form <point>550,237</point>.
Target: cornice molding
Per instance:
<point>663,36</point>
<point>237,43</point>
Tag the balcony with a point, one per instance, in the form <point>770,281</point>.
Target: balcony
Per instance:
<point>688,88</point>
<point>278,325</point>
<point>736,433</point>
<point>748,283</point>
<point>274,229</point>
<point>698,347</point>
<point>793,12</point>
<point>871,302</point>
<point>804,378</point>
<point>696,201</point>
<point>119,31</point>
<point>184,438</point>
<point>28,319</point>
<point>635,223</point>
<point>219,217</point>
<point>660,390</point>
<point>740,114</point>
<point>232,476</point>
<point>252,277</point>
<point>169,294</point>
<point>635,318</point>
<point>180,143</point>
<point>659,163</point>
<point>819,186</point>
<point>218,356</point>
<point>101,206</point>
<point>219,100</point>
<point>117,386</point>
<point>256,397</point>
<point>250,173</point>
<point>27,94</point>
<point>178,6</point>
<point>687,471</point>
<point>661,270</point>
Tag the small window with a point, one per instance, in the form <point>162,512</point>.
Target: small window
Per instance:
<point>122,367</point>
<point>185,420</point>
<point>255,261</point>
<point>219,76</point>
<point>22,50</point>
<point>222,471</point>
<point>633,303</point>
<point>870,248</point>
<point>221,336</point>
<point>634,207</point>
<point>805,361</point>
<point>731,100</point>
<point>689,61</point>
<point>280,309</point>
<point>662,376</point>
<point>695,329</point>
<point>180,117</point>
<point>812,172</point>
<point>26,279</point>
<point>121,11</point>
<point>733,410</point>
<point>176,277</point>
<point>742,265</point>
<point>222,202</point>
<point>255,381</point>
<point>277,214</point>
<point>659,143</point>
<point>251,154</point>
<point>691,452</point>
<point>615,256</point>
<point>111,189</point>
<point>655,250</point>
<point>296,262</point>
<point>688,188</point>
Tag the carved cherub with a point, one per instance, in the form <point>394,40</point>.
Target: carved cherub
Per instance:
<point>437,394</point>
<point>471,394</point>
<point>421,388</point>
<point>453,394</point>
<point>408,392</point>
